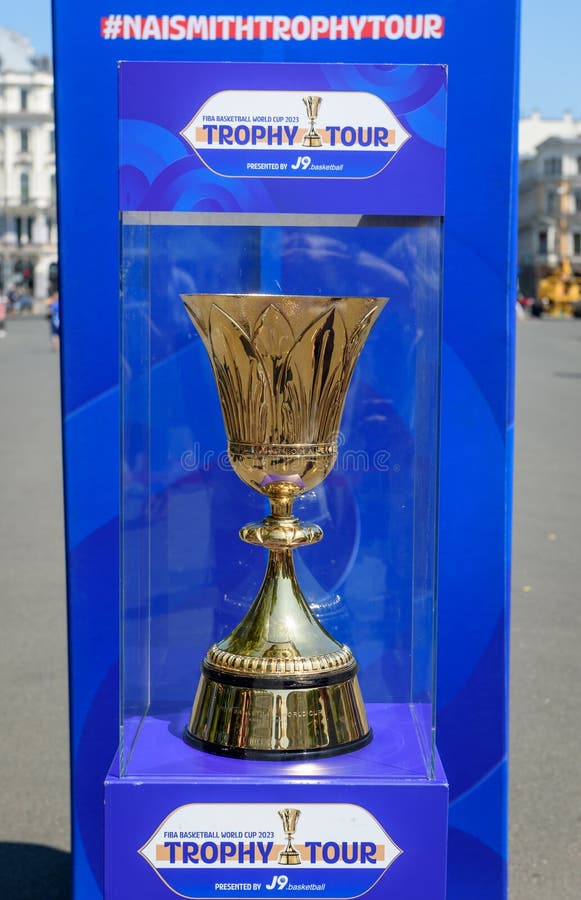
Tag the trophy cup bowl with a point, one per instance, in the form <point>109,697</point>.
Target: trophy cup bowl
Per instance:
<point>312,138</point>
<point>279,686</point>
<point>289,856</point>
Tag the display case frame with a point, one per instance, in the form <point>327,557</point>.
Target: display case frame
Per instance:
<point>185,577</point>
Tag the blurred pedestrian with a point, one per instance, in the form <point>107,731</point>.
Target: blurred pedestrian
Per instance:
<point>25,303</point>
<point>3,313</point>
<point>54,322</point>
<point>13,299</point>
<point>48,305</point>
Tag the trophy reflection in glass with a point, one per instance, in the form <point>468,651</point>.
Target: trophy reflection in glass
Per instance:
<point>279,686</point>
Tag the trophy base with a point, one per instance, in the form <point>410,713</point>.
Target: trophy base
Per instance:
<point>289,858</point>
<point>313,140</point>
<point>238,753</point>
<point>278,718</point>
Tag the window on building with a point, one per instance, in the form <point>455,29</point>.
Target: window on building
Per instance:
<point>24,140</point>
<point>53,188</point>
<point>24,95</point>
<point>29,227</point>
<point>24,187</point>
<point>543,242</point>
<point>51,141</point>
<point>552,165</point>
<point>577,243</point>
<point>579,165</point>
<point>551,203</point>
<point>18,223</point>
<point>577,201</point>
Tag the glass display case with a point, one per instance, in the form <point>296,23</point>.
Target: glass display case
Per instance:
<point>281,248</point>
<point>187,578</point>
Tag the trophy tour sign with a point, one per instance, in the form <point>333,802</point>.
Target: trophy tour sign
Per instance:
<point>263,850</point>
<point>273,138</point>
<point>293,134</point>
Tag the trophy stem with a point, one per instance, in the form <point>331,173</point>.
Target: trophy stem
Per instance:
<point>279,633</point>
<point>289,856</point>
<point>281,505</point>
<point>279,685</point>
<point>279,607</point>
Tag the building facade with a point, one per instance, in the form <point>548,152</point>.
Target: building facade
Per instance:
<point>549,215</point>
<point>28,232</point>
<point>534,129</point>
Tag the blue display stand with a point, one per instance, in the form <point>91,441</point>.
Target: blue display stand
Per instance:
<point>362,828</point>
<point>479,277</point>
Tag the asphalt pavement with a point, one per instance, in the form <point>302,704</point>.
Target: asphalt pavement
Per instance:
<point>546,619</point>
<point>34,804</point>
<point>545,857</point>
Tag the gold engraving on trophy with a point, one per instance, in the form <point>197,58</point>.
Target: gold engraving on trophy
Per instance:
<point>312,138</point>
<point>290,856</point>
<point>279,683</point>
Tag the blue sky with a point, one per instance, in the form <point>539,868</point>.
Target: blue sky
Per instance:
<point>550,57</point>
<point>32,18</point>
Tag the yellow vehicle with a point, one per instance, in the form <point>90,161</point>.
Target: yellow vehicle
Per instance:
<point>560,292</point>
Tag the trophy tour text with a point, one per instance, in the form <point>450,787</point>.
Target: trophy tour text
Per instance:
<point>277,134</point>
<point>212,852</point>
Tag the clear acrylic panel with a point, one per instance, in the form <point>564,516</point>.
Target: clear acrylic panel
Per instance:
<point>187,579</point>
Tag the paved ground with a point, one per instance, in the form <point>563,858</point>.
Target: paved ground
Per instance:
<point>546,615</point>
<point>546,707</point>
<point>34,829</point>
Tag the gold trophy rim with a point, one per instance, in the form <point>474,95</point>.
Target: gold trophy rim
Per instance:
<point>268,296</point>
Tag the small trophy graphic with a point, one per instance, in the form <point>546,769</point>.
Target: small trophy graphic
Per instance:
<point>311,138</point>
<point>290,856</point>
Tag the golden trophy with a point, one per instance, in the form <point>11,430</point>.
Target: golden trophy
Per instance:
<point>279,686</point>
<point>311,138</point>
<point>290,856</point>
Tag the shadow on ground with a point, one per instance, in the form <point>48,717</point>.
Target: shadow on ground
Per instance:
<point>34,872</point>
